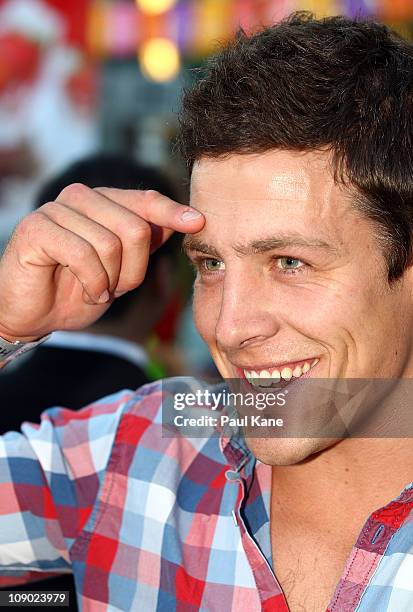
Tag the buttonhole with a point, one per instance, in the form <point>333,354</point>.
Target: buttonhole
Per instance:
<point>378,533</point>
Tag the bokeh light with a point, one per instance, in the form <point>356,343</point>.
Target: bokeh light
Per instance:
<point>155,7</point>
<point>160,59</point>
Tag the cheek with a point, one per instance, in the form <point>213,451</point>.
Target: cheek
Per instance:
<point>206,307</point>
<point>315,310</point>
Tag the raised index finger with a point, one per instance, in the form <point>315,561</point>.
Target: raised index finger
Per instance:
<point>157,209</point>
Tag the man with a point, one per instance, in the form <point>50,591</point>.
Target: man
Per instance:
<point>299,139</point>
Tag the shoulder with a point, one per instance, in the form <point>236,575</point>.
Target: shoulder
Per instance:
<point>144,435</point>
<point>141,407</point>
<point>127,433</point>
<point>154,401</point>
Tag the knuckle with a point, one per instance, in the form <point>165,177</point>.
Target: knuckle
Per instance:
<point>31,233</point>
<point>150,195</point>
<point>110,245</point>
<point>137,233</point>
<point>130,283</point>
<point>73,192</point>
<point>28,224</point>
<point>136,279</point>
<point>105,191</point>
<point>23,227</point>
<point>96,281</point>
<point>48,207</point>
<point>84,250</point>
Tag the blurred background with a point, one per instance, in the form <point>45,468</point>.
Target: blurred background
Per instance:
<point>85,76</point>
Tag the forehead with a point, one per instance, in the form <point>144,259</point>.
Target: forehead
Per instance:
<point>287,174</point>
<point>244,194</point>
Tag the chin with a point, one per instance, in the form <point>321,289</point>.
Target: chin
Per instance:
<point>287,451</point>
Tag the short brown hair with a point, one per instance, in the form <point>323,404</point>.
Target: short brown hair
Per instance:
<point>306,83</point>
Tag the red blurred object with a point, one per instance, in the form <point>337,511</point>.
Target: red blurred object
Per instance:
<point>166,327</point>
<point>75,13</point>
<point>396,10</point>
<point>82,87</point>
<point>19,59</point>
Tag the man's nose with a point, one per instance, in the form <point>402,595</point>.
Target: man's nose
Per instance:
<point>248,313</point>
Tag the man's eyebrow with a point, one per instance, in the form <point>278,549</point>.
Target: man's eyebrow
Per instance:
<point>191,243</point>
<point>282,242</point>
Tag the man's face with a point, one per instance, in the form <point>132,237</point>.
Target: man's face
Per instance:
<point>289,274</point>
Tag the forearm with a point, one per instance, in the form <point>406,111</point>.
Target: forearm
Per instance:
<point>42,474</point>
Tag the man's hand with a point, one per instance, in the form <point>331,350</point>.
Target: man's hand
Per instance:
<point>67,262</point>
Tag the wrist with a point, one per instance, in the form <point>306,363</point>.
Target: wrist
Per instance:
<point>22,339</point>
<point>10,337</point>
<point>9,350</point>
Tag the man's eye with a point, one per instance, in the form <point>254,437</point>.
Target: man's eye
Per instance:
<point>213,265</point>
<point>289,263</point>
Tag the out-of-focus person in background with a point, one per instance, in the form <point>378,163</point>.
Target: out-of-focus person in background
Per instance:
<point>73,368</point>
<point>44,125</point>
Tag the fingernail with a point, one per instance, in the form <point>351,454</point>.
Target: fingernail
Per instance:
<point>190,215</point>
<point>119,293</point>
<point>104,297</point>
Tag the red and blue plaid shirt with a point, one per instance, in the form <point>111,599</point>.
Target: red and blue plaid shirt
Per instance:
<point>153,523</point>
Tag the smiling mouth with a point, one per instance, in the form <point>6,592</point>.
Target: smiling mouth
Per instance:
<point>273,376</point>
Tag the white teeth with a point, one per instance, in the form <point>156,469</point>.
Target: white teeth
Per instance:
<point>253,377</point>
<point>265,378</point>
<point>286,373</point>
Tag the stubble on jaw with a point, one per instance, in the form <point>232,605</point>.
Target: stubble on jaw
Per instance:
<point>286,451</point>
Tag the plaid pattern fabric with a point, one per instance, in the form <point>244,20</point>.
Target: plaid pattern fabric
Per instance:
<point>150,523</point>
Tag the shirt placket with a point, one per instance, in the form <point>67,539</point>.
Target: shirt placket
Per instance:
<point>270,593</point>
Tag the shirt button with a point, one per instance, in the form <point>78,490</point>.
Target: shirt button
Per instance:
<point>231,475</point>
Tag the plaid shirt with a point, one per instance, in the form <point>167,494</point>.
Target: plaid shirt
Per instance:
<point>152,523</point>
